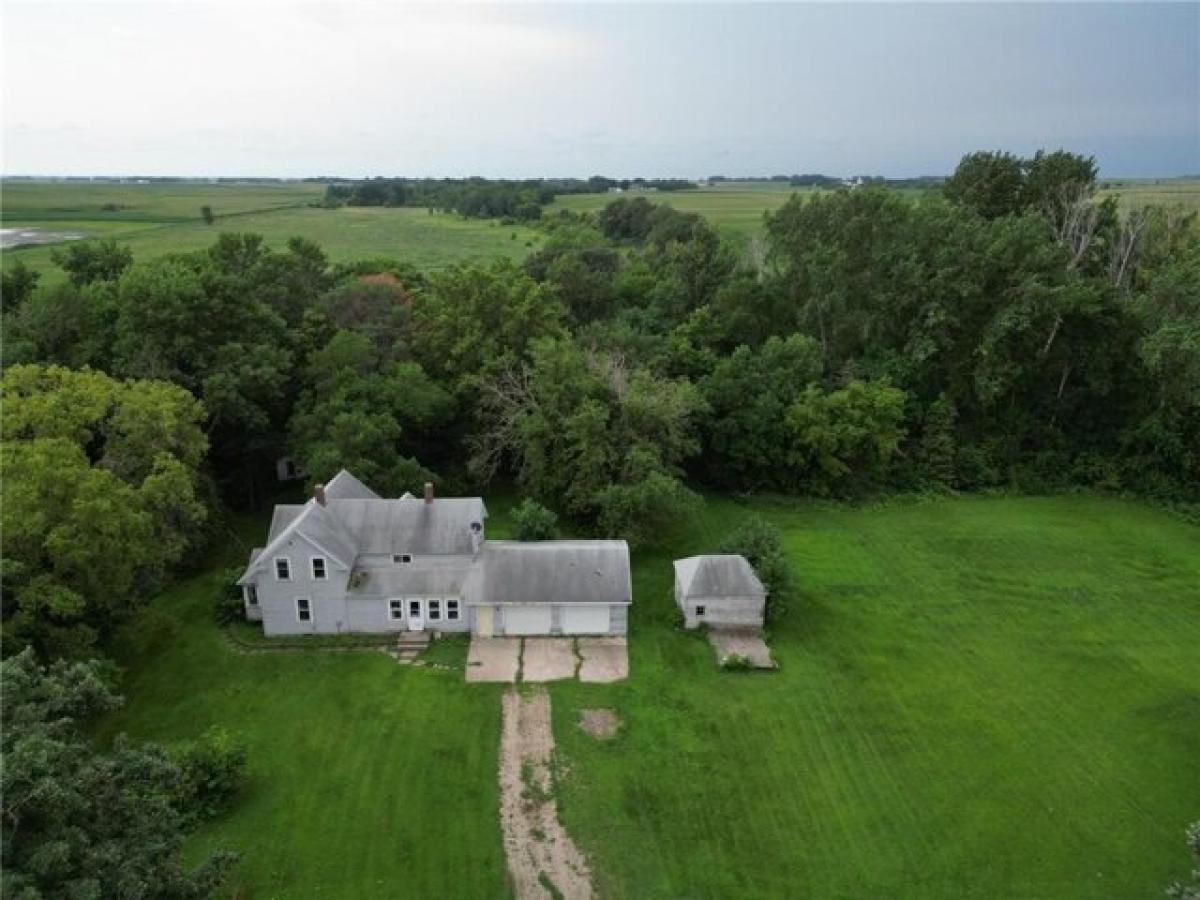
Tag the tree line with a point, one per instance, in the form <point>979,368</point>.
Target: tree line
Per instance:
<point>516,200</point>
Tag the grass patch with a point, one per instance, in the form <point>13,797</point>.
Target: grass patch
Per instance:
<point>448,651</point>
<point>249,636</point>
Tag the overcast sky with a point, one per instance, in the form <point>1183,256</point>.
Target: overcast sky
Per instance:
<point>520,90</point>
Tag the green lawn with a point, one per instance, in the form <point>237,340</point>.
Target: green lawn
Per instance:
<point>156,219</point>
<point>977,698</point>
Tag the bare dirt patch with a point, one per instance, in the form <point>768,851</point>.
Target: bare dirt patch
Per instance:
<point>601,724</point>
<point>543,860</point>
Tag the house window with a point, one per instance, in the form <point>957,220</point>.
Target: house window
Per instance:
<point>395,609</point>
<point>699,610</point>
<point>435,610</point>
<point>252,594</point>
<point>402,558</point>
<point>303,609</point>
<point>283,569</point>
<point>452,610</point>
<point>318,568</point>
<point>414,608</point>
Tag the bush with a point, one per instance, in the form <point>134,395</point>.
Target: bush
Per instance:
<point>1189,890</point>
<point>212,771</point>
<point>759,542</point>
<point>230,607</point>
<point>533,522</point>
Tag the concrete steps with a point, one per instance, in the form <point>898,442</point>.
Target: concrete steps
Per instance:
<point>410,645</point>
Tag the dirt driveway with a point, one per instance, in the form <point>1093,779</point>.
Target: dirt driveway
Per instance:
<point>543,860</point>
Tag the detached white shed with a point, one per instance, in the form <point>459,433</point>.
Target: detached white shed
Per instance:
<point>721,591</point>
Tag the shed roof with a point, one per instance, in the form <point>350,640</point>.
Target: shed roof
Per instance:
<point>556,572</point>
<point>724,575</point>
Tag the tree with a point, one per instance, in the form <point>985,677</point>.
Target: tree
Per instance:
<point>746,434</point>
<point>17,286</point>
<point>86,262</point>
<point>991,184</point>
<point>101,499</point>
<point>79,822</point>
<point>845,439</point>
<point>533,522</point>
<point>476,320</point>
<point>761,544</point>
<point>363,413</point>
<point>206,214</point>
<point>601,442</point>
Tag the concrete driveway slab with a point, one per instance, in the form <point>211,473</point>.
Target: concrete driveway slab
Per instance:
<point>746,644</point>
<point>548,659</point>
<point>493,659</point>
<point>605,659</point>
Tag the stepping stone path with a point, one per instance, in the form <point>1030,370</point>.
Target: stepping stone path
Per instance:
<point>410,645</point>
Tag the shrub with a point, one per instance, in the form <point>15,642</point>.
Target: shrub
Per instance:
<point>212,771</point>
<point>737,663</point>
<point>229,607</point>
<point>533,522</point>
<point>1183,890</point>
<point>759,542</point>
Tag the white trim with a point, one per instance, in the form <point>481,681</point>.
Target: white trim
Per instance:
<point>308,609</point>
<point>397,605</point>
<point>275,567</point>
<point>312,568</point>
<point>250,594</point>
<point>457,617</point>
<point>402,559</point>
<point>430,609</point>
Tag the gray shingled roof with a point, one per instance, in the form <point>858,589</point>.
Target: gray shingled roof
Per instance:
<point>556,572</point>
<point>411,526</point>
<point>344,486</point>
<point>284,515</point>
<point>718,576</point>
<point>389,582</point>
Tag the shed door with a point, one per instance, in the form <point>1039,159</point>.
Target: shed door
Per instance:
<point>527,620</point>
<point>585,619</point>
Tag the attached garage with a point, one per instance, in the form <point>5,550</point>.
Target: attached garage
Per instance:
<point>527,620</point>
<point>585,619</point>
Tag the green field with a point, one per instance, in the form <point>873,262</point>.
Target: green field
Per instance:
<point>735,208</point>
<point>977,698</point>
<point>155,219</point>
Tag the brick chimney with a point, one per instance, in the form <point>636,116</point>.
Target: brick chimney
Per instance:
<point>319,493</point>
<point>429,492</point>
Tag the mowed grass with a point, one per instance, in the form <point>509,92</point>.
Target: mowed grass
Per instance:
<point>161,219</point>
<point>1173,193</point>
<point>366,778</point>
<point>977,697</point>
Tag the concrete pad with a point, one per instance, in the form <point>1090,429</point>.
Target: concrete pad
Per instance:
<point>548,659</point>
<point>493,659</point>
<point>746,644</point>
<point>605,659</point>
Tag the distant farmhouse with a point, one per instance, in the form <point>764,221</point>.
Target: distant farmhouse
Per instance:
<point>719,591</point>
<point>349,560</point>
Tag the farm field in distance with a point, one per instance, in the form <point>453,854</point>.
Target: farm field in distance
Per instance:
<point>154,219</point>
<point>978,698</point>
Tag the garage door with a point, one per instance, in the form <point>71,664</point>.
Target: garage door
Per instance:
<point>585,620</point>
<point>527,620</point>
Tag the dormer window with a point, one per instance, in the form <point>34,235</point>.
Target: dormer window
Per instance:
<point>283,569</point>
<point>402,559</point>
<point>318,568</point>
